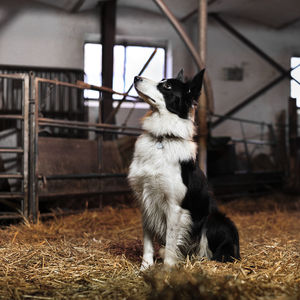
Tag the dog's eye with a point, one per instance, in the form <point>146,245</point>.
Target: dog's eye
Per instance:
<point>167,86</point>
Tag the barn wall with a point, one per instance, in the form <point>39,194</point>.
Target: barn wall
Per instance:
<point>35,35</point>
<point>225,51</point>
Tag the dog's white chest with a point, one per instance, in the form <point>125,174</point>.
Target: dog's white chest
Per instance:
<point>155,169</point>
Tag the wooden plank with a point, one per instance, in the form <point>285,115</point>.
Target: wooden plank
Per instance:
<point>67,156</point>
<point>59,156</point>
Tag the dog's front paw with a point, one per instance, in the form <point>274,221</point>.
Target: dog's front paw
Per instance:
<point>145,265</point>
<point>147,262</point>
<point>170,262</point>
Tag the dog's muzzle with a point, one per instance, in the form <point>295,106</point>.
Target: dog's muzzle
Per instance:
<point>140,83</point>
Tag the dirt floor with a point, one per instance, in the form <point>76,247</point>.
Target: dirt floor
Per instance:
<point>96,255</point>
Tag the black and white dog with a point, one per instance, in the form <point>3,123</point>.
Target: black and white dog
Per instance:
<point>177,207</point>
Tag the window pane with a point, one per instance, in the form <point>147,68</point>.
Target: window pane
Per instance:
<point>92,68</point>
<point>295,87</point>
<point>136,57</point>
<point>118,81</point>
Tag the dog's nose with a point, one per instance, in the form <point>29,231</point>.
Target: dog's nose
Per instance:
<point>137,79</point>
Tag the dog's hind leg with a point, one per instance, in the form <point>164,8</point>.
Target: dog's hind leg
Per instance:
<point>148,251</point>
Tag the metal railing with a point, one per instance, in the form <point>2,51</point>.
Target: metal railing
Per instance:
<point>271,142</point>
<point>39,122</point>
<point>23,150</point>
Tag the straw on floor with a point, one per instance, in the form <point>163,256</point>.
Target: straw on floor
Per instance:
<point>96,255</point>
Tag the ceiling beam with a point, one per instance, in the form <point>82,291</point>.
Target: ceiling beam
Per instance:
<point>77,6</point>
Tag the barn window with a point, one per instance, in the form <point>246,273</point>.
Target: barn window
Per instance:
<point>128,61</point>
<point>295,86</point>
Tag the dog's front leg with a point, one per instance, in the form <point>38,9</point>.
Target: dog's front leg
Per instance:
<point>148,251</point>
<point>172,234</point>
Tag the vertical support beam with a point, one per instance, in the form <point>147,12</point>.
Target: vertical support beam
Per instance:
<point>32,150</point>
<point>108,32</point>
<point>25,104</point>
<point>35,206</point>
<point>202,108</point>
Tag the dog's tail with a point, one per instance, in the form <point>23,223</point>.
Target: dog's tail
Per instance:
<point>222,236</point>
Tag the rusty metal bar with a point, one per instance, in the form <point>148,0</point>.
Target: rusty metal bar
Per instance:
<point>83,176</point>
<point>42,121</point>
<point>178,27</point>
<point>12,76</point>
<point>74,194</point>
<point>202,109</point>
<point>190,46</point>
<point>79,85</point>
<point>11,150</point>
<point>11,117</point>
<point>11,176</point>
<point>9,216</point>
<point>84,85</point>
<point>103,131</point>
<point>11,195</point>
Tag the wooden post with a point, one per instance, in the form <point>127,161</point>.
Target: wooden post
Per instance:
<point>108,32</point>
<point>202,107</point>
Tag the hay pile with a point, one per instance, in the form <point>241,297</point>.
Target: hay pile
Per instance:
<point>96,255</point>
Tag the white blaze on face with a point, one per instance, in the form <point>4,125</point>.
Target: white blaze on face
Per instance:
<point>147,89</point>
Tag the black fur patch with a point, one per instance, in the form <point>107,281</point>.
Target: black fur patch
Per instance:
<point>179,96</point>
<point>175,97</point>
<point>198,200</point>
<point>222,235</point>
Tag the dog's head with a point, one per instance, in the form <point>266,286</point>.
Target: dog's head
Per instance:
<point>173,95</point>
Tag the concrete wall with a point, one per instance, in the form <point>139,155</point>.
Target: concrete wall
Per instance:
<point>224,51</point>
<point>35,35</point>
<point>32,35</point>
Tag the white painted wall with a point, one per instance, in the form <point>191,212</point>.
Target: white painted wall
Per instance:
<point>224,50</point>
<point>36,35</point>
<point>33,35</point>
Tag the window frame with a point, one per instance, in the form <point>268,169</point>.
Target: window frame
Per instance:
<point>126,43</point>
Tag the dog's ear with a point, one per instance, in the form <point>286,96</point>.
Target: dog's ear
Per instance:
<point>180,76</point>
<point>196,85</point>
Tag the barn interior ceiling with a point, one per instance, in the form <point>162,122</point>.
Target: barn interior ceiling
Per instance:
<point>276,13</point>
